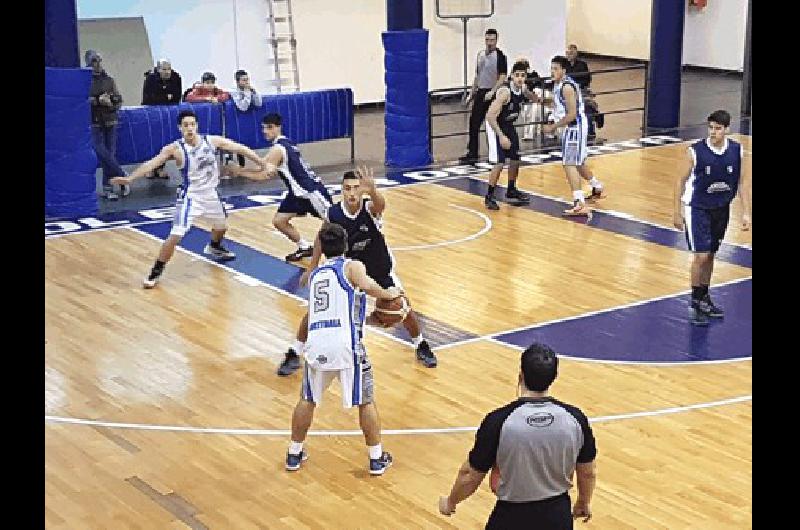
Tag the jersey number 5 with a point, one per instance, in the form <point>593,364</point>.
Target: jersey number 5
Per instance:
<point>321,299</point>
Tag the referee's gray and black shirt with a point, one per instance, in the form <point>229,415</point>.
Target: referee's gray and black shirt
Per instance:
<point>489,66</point>
<point>536,443</point>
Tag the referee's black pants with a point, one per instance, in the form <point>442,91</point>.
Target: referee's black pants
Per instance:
<point>476,119</point>
<point>554,513</point>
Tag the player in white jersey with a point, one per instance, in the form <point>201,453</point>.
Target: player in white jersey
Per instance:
<point>196,157</point>
<point>569,114</point>
<point>337,310</point>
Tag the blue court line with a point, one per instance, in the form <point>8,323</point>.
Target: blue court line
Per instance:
<point>286,277</point>
<point>603,221</point>
<point>657,331</point>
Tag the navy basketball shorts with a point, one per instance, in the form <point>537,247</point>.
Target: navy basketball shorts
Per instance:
<point>705,227</point>
<point>498,155</point>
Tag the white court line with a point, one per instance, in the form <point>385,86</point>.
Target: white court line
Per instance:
<point>253,281</point>
<point>443,430</point>
<point>487,225</point>
<point>612,213</point>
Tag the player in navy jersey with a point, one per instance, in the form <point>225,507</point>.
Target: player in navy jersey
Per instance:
<point>569,113</point>
<point>703,195</point>
<point>306,192</point>
<point>501,135</point>
<point>361,219</point>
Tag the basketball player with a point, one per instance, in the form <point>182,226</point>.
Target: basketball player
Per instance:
<point>702,206</point>
<point>336,305</point>
<point>195,156</point>
<point>306,192</point>
<point>501,135</point>
<point>361,218</point>
<point>568,112</point>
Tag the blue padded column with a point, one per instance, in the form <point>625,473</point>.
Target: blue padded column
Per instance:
<point>61,34</point>
<point>402,15</point>
<point>666,53</point>
<point>407,128</point>
<point>69,158</point>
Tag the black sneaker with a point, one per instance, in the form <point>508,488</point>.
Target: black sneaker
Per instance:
<point>290,364</point>
<point>300,253</point>
<point>696,316</point>
<point>491,203</point>
<point>378,466</point>
<point>153,278</point>
<point>710,309</point>
<point>293,462</point>
<point>597,193</point>
<point>468,158</point>
<point>517,197</point>
<point>425,355</point>
<point>219,252</point>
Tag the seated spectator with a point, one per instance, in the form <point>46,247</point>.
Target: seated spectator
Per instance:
<point>244,97</point>
<point>105,101</point>
<point>207,91</point>
<point>579,71</point>
<point>162,86</point>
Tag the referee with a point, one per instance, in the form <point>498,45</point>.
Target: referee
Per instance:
<point>536,442</point>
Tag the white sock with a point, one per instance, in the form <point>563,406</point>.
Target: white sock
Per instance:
<point>375,451</point>
<point>298,346</point>
<point>416,341</point>
<point>295,448</point>
<point>578,196</point>
<point>596,183</point>
<point>303,243</point>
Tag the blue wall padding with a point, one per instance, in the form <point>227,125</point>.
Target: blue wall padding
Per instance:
<point>61,34</point>
<point>307,117</point>
<point>666,53</point>
<point>406,77</point>
<point>69,158</point>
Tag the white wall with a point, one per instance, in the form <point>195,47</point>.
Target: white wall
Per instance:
<point>336,47</point>
<point>612,27</point>
<point>714,37</point>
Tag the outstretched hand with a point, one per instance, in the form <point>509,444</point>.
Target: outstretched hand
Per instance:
<point>367,177</point>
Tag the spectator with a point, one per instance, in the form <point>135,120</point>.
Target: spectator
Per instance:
<point>105,101</point>
<point>162,86</point>
<point>207,91</point>
<point>244,97</point>
<point>579,71</point>
<point>535,444</point>
<point>490,74</point>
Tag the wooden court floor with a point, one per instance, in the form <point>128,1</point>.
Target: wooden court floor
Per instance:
<point>160,370</point>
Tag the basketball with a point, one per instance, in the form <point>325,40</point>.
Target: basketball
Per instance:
<point>494,478</point>
<point>391,312</point>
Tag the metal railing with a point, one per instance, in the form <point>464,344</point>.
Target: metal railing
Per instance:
<point>541,81</point>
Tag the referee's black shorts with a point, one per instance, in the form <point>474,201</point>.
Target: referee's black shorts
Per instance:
<point>554,513</point>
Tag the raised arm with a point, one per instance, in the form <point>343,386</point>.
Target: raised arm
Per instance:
<point>376,197</point>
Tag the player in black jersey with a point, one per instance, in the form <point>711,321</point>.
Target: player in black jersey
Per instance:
<point>361,219</point>
<point>502,136</point>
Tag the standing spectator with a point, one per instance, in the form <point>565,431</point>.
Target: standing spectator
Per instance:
<point>535,443</point>
<point>207,91</point>
<point>245,97</point>
<point>105,101</point>
<point>490,74</point>
<point>579,71</point>
<point>162,86</point>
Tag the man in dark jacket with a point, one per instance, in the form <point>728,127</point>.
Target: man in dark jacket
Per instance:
<point>162,86</point>
<point>579,71</point>
<point>105,101</point>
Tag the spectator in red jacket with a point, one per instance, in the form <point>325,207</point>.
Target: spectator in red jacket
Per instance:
<point>207,91</point>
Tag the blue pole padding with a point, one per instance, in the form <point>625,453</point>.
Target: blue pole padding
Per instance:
<point>406,119</point>
<point>666,51</point>
<point>61,34</point>
<point>402,15</point>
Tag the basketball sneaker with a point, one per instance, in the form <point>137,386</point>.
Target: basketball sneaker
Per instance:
<point>290,364</point>
<point>696,316</point>
<point>709,308</point>
<point>300,253</point>
<point>517,197</point>
<point>153,278</point>
<point>426,355</point>
<point>293,462</point>
<point>490,203</point>
<point>216,250</point>
<point>378,466</point>
<point>597,193</point>
<point>579,208</point>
